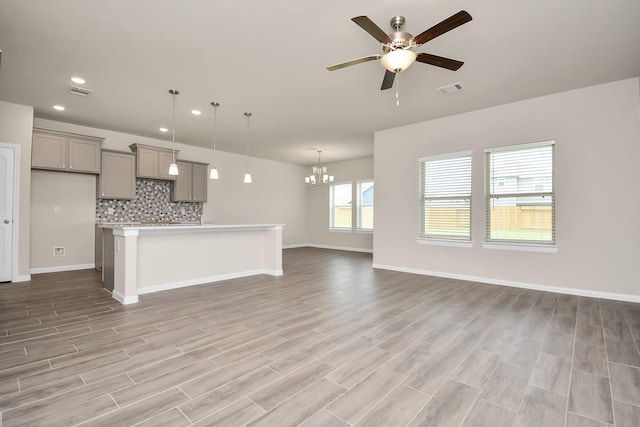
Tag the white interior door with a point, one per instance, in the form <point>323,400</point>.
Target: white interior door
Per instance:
<point>7,160</point>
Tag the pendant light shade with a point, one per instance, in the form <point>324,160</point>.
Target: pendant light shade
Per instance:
<point>247,175</point>
<point>214,171</point>
<point>173,167</point>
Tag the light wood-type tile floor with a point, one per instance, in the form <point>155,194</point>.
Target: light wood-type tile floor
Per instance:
<point>331,343</point>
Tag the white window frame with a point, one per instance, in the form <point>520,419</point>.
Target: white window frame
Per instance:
<point>519,244</point>
<point>359,227</point>
<point>446,240</point>
<point>332,227</point>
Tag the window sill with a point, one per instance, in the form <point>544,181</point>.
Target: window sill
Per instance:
<point>340,230</point>
<point>453,243</point>
<point>525,247</point>
<point>364,231</point>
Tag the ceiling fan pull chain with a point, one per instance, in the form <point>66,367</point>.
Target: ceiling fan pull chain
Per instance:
<point>398,90</point>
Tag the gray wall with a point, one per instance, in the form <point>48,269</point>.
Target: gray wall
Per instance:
<point>318,208</point>
<point>597,134</point>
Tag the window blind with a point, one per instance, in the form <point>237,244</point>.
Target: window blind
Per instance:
<point>520,200</point>
<point>445,197</point>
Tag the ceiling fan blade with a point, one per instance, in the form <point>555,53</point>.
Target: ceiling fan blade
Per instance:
<point>387,81</point>
<point>354,62</point>
<point>439,61</point>
<point>448,24</point>
<point>370,27</point>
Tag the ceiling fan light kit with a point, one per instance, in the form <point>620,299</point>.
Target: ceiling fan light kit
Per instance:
<point>398,46</point>
<point>398,60</point>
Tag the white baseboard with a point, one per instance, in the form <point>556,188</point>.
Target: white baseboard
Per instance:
<point>271,272</point>
<point>22,278</point>
<point>337,248</point>
<point>206,280</point>
<point>296,245</point>
<point>60,268</point>
<point>124,300</point>
<point>524,285</point>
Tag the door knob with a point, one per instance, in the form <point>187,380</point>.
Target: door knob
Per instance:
<point>6,221</point>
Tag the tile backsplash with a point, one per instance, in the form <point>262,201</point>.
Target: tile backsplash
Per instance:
<point>152,203</point>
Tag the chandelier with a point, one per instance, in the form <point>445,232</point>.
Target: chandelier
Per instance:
<point>319,175</point>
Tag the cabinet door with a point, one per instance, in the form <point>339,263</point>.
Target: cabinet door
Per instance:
<point>147,163</point>
<point>84,156</point>
<point>49,152</point>
<point>182,187</point>
<point>118,177</point>
<point>199,183</point>
<point>164,160</point>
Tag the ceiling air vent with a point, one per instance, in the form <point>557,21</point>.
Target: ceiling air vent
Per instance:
<point>452,88</point>
<point>80,91</point>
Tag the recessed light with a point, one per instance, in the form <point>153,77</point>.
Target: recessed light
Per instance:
<point>196,112</point>
<point>58,107</point>
<point>163,130</point>
<point>78,80</point>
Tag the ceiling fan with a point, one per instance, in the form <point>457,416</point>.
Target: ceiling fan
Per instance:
<point>398,46</point>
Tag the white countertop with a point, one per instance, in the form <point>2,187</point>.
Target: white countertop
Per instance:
<point>151,228</point>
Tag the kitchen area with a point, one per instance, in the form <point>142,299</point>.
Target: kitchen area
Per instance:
<point>149,232</point>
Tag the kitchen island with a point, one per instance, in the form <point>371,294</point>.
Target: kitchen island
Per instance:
<point>149,258</point>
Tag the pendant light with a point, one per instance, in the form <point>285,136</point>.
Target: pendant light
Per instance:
<point>173,167</point>
<point>247,175</point>
<point>214,171</point>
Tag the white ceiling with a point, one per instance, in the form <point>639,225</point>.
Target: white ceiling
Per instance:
<point>270,57</point>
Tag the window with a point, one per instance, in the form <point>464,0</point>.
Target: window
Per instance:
<point>340,205</point>
<point>520,201</point>
<point>445,197</point>
<point>365,205</point>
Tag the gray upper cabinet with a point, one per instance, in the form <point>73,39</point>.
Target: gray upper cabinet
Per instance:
<point>191,183</point>
<point>152,162</point>
<point>61,151</point>
<point>199,183</point>
<point>164,161</point>
<point>118,177</point>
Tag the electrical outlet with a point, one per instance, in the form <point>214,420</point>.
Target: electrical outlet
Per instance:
<point>56,209</point>
<point>58,251</point>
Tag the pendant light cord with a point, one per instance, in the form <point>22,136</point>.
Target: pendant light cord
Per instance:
<point>215,126</point>
<point>248,116</point>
